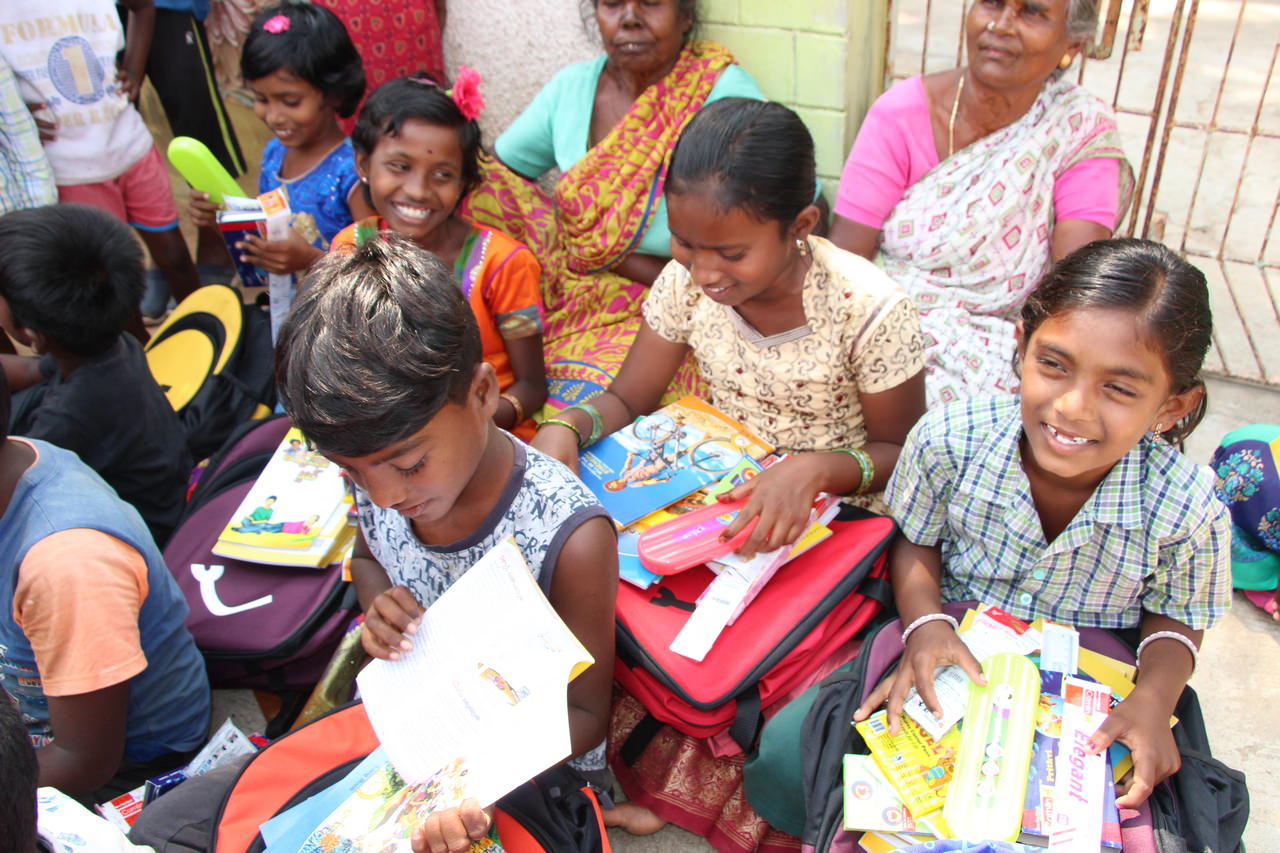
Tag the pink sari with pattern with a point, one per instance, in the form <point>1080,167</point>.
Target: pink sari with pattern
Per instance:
<point>970,240</point>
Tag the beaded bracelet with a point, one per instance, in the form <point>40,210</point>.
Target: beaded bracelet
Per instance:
<point>515,404</point>
<point>597,422</point>
<point>1168,635</point>
<point>926,619</point>
<point>559,422</point>
<point>866,465</point>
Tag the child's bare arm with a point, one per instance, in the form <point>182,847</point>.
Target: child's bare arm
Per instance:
<point>391,613</point>
<point>137,44</point>
<point>915,572</point>
<point>1141,722</point>
<point>582,592</point>
<point>650,365</point>
<point>530,387</point>
<point>88,739</point>
<point>21,371</point>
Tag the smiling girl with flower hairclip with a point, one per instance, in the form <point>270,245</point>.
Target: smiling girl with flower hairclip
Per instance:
<point>417,147</point>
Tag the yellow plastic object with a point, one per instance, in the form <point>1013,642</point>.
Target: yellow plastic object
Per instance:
<point>986,795</point>
<point>195,162</point>
<point>195,341</point>
<point>181,364</point>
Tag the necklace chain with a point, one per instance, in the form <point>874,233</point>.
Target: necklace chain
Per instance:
<point>951,123</point>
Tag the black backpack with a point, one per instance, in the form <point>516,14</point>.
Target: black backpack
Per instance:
<point>213,358</point>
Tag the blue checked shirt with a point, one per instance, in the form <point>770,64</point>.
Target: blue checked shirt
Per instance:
<point>26,179</point>
<point>1152,537</point>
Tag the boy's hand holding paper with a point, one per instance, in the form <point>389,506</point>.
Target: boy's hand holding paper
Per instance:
<point>475,712</point>
<point>390,623</point>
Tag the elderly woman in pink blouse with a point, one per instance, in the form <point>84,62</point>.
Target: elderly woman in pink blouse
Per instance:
<point>966,184</point>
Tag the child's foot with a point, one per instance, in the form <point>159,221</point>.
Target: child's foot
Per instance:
<point>635,819</point>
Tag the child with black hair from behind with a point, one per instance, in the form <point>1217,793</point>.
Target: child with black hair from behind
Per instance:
<point>70,277</point>
<point>43,820</point>
<point>379,365</point>
<point>1070,501</point>
<point>304,72</point>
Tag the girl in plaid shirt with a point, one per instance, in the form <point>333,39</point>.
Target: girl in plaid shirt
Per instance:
<point>1070,501</point>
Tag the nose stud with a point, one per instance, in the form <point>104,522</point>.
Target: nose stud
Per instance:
<point>991,25</point>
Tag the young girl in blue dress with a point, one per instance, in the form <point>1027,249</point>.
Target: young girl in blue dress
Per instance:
<point>304,72</point>
<point>1071,501</point>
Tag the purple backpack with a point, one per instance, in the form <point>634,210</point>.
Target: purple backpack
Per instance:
<point>258,626</point>
<point>1203,807</point>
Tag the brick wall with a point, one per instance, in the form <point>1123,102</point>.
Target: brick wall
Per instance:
<point>814,56</point>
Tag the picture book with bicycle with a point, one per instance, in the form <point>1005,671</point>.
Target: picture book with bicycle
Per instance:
<point>665,456</point>
<point>294,515</point>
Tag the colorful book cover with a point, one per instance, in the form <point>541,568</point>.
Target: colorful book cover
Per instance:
<point>235,226</point>
<point>630,569</point>
<point>295,512</point>
<point>919,767</point>
<point>665,456</point>
<point>1037,812</point>
<point>871,803</point>
<point>382,812</point>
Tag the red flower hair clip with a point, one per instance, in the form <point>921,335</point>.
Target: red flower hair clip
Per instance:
<point>466,93</point>
<point>276,24</point>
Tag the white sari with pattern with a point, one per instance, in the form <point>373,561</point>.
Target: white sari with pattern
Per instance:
<point>970,240</point>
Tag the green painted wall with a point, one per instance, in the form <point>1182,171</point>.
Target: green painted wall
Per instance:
<point>822,58</point>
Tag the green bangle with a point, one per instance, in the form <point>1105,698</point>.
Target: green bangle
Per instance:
<point>865,465</point>
<point>559,422</point>
<point>597,421</point>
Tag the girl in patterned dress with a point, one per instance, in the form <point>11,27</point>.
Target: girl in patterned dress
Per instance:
<point>379,364</point>
<point>1070,502</point>
<point>417,148</point>
<point>812,348</point>
<point>303,72</point>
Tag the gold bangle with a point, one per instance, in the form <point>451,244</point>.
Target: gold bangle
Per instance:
<point>559,422</point>
<point>515,404</point>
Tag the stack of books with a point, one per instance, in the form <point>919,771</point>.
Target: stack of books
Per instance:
<point>296,514</point>
<point>897,794</point>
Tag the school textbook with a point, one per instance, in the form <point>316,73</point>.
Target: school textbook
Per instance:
<point>665,456</point>
<point>295,514</point>
<point>474,710</point>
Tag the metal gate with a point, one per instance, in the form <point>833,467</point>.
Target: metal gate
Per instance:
<point>1192,85</point>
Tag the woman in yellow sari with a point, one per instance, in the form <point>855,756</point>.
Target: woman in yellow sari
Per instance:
<point>609,125</point>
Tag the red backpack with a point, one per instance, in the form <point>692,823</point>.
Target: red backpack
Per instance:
<point>809,609</point>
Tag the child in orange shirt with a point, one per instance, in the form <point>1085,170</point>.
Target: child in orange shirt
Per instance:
<point>417,150</point>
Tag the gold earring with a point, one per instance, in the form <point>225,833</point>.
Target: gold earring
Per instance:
<point>802,247</point>
<point>1065,62</point>
<point>1159,428</point>
<point>364,179</point>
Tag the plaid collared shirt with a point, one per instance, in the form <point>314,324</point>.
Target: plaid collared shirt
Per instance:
<point>26,179</point>
<point>1152,537</point>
